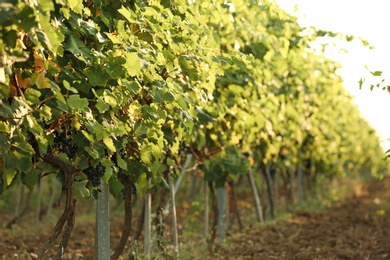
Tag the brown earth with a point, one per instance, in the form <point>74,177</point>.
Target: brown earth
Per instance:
<point>357,227</point>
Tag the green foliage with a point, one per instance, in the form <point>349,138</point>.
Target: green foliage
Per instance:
<point>381,84</point>
<point>128,83</point>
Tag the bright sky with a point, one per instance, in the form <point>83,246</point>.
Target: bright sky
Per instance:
<point>362,18</point>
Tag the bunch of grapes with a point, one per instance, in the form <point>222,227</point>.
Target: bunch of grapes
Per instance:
<point>64,144</point>
<point>95,173</point>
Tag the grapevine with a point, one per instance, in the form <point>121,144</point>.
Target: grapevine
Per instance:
<point>120,92</point>
<point>95,174</point>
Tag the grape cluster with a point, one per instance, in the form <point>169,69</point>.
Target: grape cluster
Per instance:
<point>95,173</point>
<point>64,144</point>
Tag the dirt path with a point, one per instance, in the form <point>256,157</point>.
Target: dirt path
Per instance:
<point>356,228</point>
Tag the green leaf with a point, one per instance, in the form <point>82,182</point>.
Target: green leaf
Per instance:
<point>25,17</point>
<point>42,144</point>
<point>92,152</point>
<point>101,3</point>
<point>109,171</point>
<point>77,103</point>
<point>171,162</point>
<point>181,101</point>
<point>24,148</point>
<point>377,73</point>
<point>20,159</point>
<point>32,95</point>
<point>4,90</point>
<point>39,80</point>
<point>31,178</point>
<point>121,163</point>
<point>4,127</point>
<point>142,184</point>
<point>188,66</point>
<point>158,168</point>
<point>203,116</point>
<point>102,106</point>
<point>146,154</point>
<point>8,175</point>
<point>168,97</point>
<point>361,81</point>
<point>140,131</point>
<point>110,100</point>
<point>7,9</point>
<point>115,187</point>
<point>133,64</point>
<point>109,144</point>
<point>130,16</point>
<point>114,67</point>
<point>133,86</point>
<point>45,112</point>
<point>33,124</point>
<point>80,190</point>
<point>114,38</point>
<point>69,87</point>
<point>96,76</point>
<point>149,11</point>
<point>44,39</point>
<point>156,151</point>
<point>74,45</point>
<point>88,136</point>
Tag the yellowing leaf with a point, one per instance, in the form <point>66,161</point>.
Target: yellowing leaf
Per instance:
<point>39,64</point>
<point>157,151</point>
<point>150,11</point>
<point>146,154</point>
<point>133,64</point>
<point>8,175</point>
<point>109,143</point>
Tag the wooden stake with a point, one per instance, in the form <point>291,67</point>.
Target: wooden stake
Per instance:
<point>221,213</point>
<point>148,224</point>
<point>206,211</point>
<point>102,241</point>
<point>174,220</point>
<point>39,201</point>
<point>259,209</point>
<point>178,182</point>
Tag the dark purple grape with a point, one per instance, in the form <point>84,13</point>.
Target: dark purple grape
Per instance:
<point>64,143</point>
<point>94,174</point>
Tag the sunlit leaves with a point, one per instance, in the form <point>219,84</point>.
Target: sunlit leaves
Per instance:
<point>109,144</point>
<point>146,154</point>
<point>131,83</point>
<point>133,64</point>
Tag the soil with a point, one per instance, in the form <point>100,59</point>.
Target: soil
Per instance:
<point>356,227</point>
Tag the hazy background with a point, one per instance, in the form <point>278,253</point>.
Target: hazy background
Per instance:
<point>366,19</point>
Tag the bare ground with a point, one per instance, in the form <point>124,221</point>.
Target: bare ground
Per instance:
<point>357,227</point>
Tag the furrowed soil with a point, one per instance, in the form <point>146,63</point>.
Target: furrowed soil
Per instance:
<point>356,227</point>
